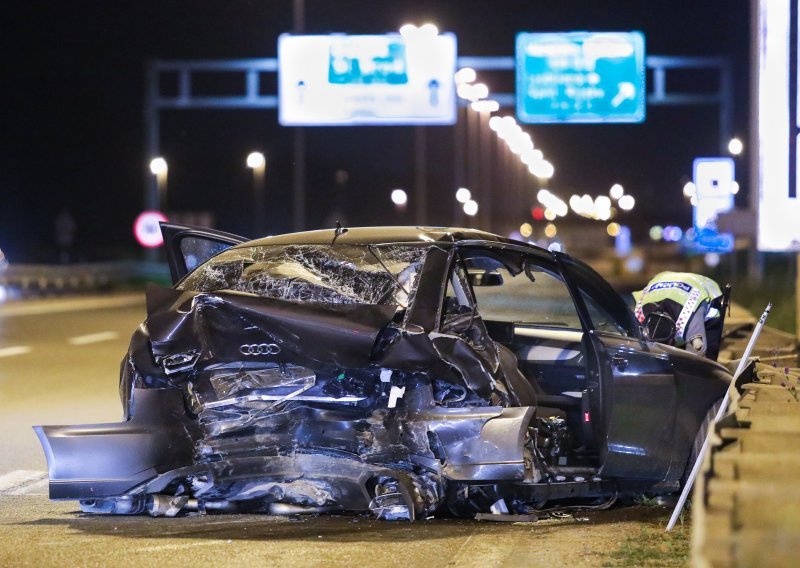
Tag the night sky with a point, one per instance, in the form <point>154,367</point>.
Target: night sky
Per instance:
<point>72,130</point>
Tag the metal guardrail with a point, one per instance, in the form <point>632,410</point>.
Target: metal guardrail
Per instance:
<point>19,281</point>
<point>746,502</point>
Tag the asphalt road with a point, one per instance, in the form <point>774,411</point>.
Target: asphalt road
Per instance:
<point>59,364</point>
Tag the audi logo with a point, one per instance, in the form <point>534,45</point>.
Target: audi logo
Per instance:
<point>259,349</point>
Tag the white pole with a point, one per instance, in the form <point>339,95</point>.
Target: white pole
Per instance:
<point>723,407</point>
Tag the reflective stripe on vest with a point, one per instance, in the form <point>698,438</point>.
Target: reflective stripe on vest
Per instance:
<point>686,314</point>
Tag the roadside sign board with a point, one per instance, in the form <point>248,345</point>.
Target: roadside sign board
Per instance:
<point>713,178</point>
<point>147,230</point>
<point>777,152</point>
<point>340,80</point>
<point>580,77</point>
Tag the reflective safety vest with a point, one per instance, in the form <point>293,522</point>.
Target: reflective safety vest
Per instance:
<point>684,289</point>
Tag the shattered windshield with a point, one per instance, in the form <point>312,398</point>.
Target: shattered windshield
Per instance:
<point>335,274</point>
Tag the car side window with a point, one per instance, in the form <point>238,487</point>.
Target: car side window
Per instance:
<point>528,291</point>
<point>458,310</point>
<point>196,250</point>
<point>607,310</point>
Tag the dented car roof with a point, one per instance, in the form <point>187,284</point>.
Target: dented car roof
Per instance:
<point>375,235</point>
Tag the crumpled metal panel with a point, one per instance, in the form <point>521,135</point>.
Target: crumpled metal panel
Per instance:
<point>218,324</point>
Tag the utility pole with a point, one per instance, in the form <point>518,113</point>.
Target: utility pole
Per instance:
<point>299,177</point>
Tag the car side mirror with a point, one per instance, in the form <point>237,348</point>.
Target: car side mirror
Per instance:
<point>660,328</point>
<point>485,279</point>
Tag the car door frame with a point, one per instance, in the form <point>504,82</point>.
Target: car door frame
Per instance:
<point>175,234</point>
<point>633,442</point>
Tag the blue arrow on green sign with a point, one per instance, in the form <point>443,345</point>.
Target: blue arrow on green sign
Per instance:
<point>580,77</point>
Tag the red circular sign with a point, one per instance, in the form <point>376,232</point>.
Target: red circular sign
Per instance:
<point>146,228</point>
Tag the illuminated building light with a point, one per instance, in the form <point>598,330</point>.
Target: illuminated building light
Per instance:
<point>537,213</point>
<point>526,230</point>
<point>612,229</point>
<point>734,187</point>
<point>463,195</point>
<point>634,263</point>
<point>550,230</point>
<point>672,234</point>
<point>711,259</point>
<point>549,214</point>
<point>399,197</point>
<point>616,191</point>
<point>656,232</point>
<point>689,189</point>
<point>735,146</point>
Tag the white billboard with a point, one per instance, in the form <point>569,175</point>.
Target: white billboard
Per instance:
<point>778,126</point>
<point>338,80</point>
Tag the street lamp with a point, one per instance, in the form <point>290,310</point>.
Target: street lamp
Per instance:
<point>626,202</point>
<point>471,207</point>
<point>465,75</point>
<point>399,198</point>
<point>735,146</point>
<point>258,163</point>
<point>158,167</point>
<point>463,195</point>
<point>256,160</point>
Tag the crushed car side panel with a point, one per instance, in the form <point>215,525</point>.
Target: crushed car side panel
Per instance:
<point>274,402</point>
<point>103,460</point>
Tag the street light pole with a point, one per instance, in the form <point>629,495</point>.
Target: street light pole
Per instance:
<point>421,175</point>
<point>299,138</point>
<point>258,163</point>
<point>159,168</point>
<point>485,158</point>
<point>458,159</point>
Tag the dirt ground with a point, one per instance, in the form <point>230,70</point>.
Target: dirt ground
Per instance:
<point>38,532</point>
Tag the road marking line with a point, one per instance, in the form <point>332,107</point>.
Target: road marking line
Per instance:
<point>93,338</point>
<point>36,488</point>
<point>17,350</point>
<point>15,479</point>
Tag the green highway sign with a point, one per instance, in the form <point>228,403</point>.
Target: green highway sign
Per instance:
<point>580,77</point>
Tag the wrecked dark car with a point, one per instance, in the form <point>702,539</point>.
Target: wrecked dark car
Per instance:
<point>400,371</point>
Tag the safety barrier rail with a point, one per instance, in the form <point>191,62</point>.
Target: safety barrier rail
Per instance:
<point>19,281</point>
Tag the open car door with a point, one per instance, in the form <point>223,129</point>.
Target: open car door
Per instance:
<point>189,247</point>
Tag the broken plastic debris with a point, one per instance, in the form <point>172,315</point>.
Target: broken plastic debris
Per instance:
<point>395,394</point>
<point>499,507</point>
